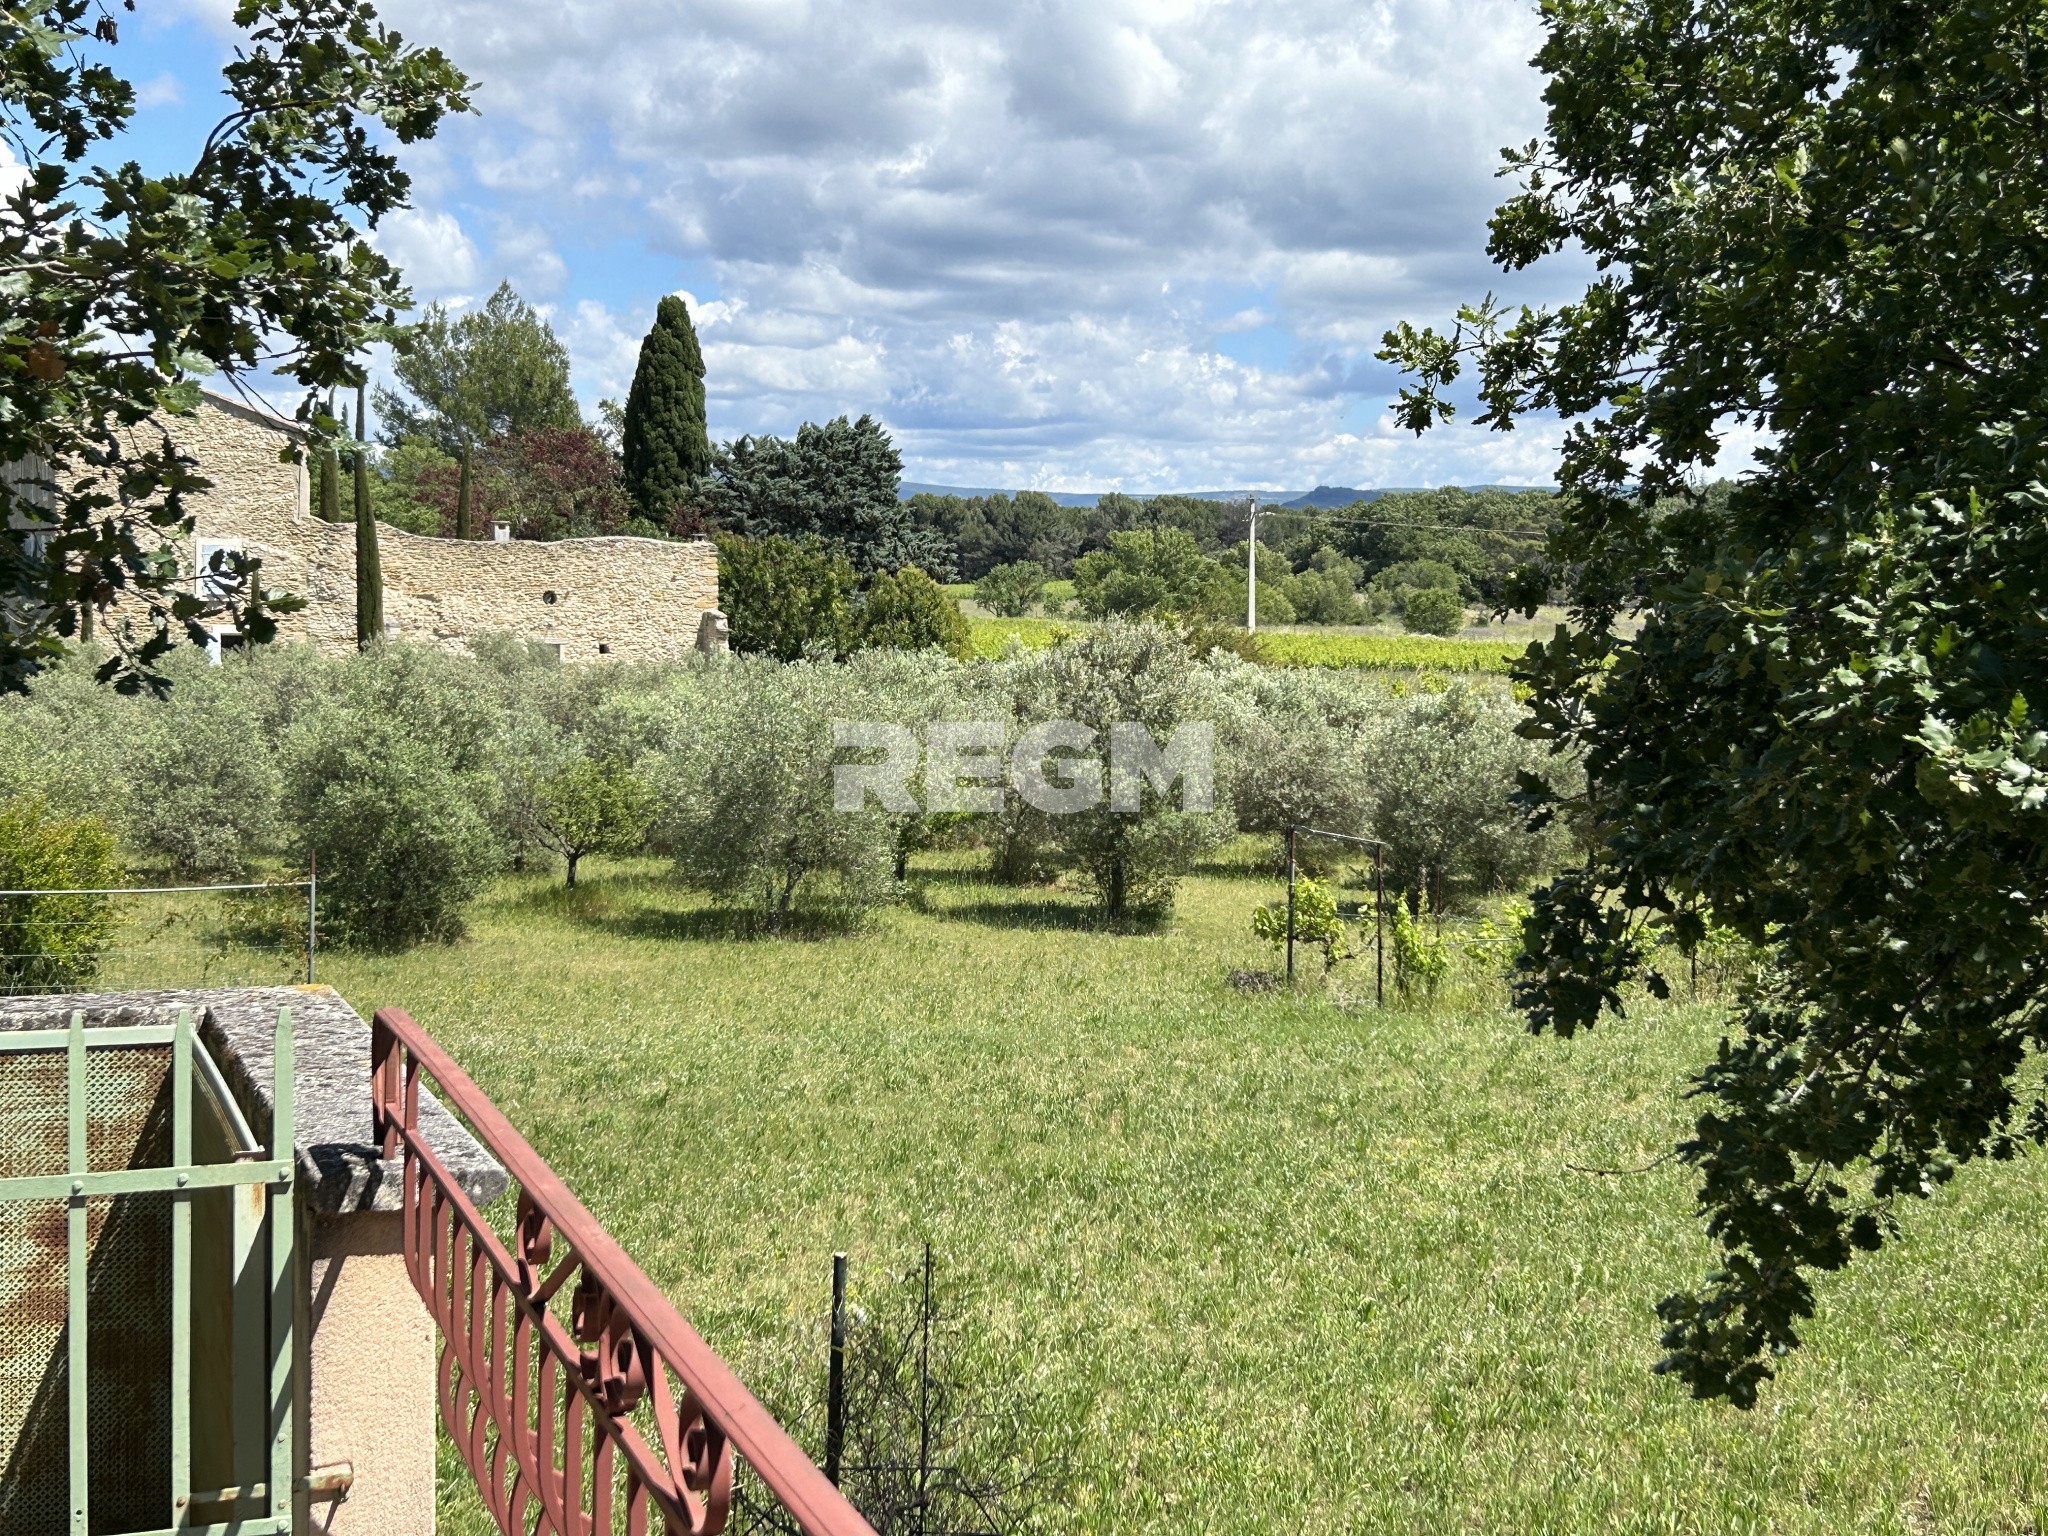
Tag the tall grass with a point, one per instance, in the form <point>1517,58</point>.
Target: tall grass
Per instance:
<point>1289,1263</point>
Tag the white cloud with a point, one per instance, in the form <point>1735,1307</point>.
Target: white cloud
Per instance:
<point>705,313</point>
<point>431,250</point>
<point>160,91</point>
<point>1017,231</point>
<point>602,352</point>
<point>525,254</point>
<point>12,172</point>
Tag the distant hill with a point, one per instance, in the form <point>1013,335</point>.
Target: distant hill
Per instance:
<point>1330,496</point>
<point>1323,497</point>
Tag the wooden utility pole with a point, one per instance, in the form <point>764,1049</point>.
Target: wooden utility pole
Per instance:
<point>1251,567</point>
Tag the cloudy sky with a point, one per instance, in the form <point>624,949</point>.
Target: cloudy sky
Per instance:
<point>1071,244</point>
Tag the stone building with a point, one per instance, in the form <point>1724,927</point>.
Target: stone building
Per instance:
<point>622,599</point>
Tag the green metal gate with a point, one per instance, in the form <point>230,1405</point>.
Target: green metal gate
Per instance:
<point>146,1288</point>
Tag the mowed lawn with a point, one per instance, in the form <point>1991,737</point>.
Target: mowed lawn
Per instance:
<point>1289,1266</point>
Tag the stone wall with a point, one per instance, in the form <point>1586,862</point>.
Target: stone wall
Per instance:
<point>618,599</point>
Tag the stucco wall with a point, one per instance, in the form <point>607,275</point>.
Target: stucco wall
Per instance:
<point>371,1391</point>
<point>618,599</point>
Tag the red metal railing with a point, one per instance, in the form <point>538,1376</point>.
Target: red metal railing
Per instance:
<point>543,1414</point>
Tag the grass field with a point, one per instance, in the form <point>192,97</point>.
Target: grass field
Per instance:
<point>1287,1266</point>
<point>993,636</point>
<point>1394,653</point>
<point>1297,648</point>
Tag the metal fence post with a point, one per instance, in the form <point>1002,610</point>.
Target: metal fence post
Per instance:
<point>835,1375</point>
<point>283,1149</point>
<point>1290,906</point>
<point>1379,926</point>
<point>312,914</point>
<point>181,1272</point>
<point>1379,913</point>
<point>75,1365</point>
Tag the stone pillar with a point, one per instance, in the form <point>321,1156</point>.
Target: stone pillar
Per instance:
<point>713,633</point>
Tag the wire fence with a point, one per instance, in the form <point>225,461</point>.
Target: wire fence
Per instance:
<point>1299,831</point>
<point>128,938</point>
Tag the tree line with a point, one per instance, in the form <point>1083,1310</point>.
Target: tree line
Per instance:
<point>414,776</point>
<point>484,428</point>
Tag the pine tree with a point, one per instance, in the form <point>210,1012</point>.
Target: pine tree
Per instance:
<point>494,372</point>
<point>664,443</point>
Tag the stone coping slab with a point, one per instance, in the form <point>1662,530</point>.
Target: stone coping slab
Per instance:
<point>339,1165</point>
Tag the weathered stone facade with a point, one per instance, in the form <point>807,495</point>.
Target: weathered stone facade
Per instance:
<point>618,599</point>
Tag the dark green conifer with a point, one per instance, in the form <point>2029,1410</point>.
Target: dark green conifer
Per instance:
<point>369,562</point>
<point>329,503</point>
<point>327,480</point>
<point>664,442</point>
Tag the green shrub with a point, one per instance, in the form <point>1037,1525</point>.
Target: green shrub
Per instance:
<point>1326,594</point>
<point>53,943</point>
<point>746,794</point>
<point>206,787</point>
<point>1432,611</point>
<point>784,599</point>
<point>1408,575</point>
<point>908,611</point>
<point>1317,924</point>
<point>1011,591</point>
<point>1443,769</point>
<point>1422,959</point>
<point>1149,571</point>
<point>1127,674</point>
<point>1291,751</point>
<point>402,843</point>
<point>1275,607</point>
<point>583,807</point>
<point>64,740</point>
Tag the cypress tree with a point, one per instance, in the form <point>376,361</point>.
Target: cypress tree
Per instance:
<point>327,493</point>
<point>330,488</point>
<point>664,443</point>
<point>369,562</point>
<point>464,511</point>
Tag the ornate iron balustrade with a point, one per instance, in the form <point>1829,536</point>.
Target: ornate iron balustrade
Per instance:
<point>581,1429</point>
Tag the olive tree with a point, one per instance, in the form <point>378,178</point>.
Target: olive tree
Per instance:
<point>1443,770</point>
<point>747,795</point>
<point>402,845</point>
<point>1292,748</point>
<point>1136,819</point>
<point>584,806</point>
<point>205,786</point>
